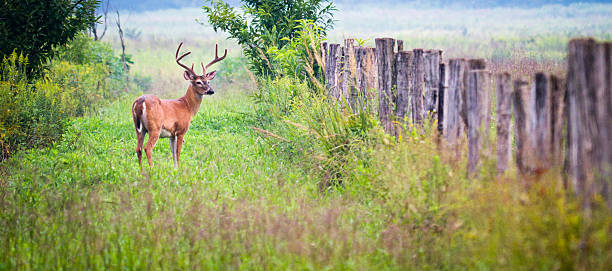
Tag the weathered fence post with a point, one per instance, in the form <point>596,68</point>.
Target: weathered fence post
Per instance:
<point>404,69</point>
<point>589,105</point>
<point>477,64</point>
<point>441,90</point>
<point>324,52</point>
<point>605,113</point>
<point>349,92</point>
<point>417,77</point>
<point>453,125</point>
<point>400,45</point>
<point>543,122</point>
<point>504,116</point>
<point>371,69</point>
<point>340,68</point>
<point>523,113</point>
<point>360,79</point>
<point>331,68</point>
<point>432,59</point>
<point>386,72</point>
<point>478,115</point>
<point>557,109</point>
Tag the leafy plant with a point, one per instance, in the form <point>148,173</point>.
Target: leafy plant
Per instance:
<point>33,27</point>
<point>300,58</point>
<point>83,75</point>
<point>261,24</point>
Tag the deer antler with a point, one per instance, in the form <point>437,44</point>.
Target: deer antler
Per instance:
<point>178,59</point>
<point>217,58</point>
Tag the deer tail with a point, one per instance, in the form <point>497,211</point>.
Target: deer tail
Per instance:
<point>137,110</point>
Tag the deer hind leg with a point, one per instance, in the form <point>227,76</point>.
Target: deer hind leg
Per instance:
<point>140,137</point>
<point>173,150</point>
<point>153,137</point>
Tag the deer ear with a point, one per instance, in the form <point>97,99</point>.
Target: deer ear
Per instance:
<point>187,76</point>
<point>211,75</point>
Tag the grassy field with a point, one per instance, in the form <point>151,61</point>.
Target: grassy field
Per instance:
<point>314,190</point>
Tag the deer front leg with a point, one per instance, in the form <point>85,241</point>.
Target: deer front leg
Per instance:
<point>173,150</point>
<point>179,144</point>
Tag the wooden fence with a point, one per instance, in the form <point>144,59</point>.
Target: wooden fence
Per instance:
<point>417,86</point>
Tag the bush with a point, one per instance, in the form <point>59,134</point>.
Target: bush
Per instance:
<point>82,76</point>
<point>301,58</point>
<point>27,117</point>
<point>35,27</point>
<point>267,23</point>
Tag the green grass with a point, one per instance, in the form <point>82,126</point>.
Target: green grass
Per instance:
<point>244,200</point>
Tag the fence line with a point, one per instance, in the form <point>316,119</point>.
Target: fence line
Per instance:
<point>417,85</point>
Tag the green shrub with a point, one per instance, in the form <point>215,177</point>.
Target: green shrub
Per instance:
<point>30,114</point>
<point>34,27</point>
<point>301,57</point>
<point>84,75</point>
<point>266,23</point>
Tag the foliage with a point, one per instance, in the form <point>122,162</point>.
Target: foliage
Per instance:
<point>33,27</point>
<point>262,24</point>
<point>301,57</point>
<point>27,116</point>
<point>83,75</point>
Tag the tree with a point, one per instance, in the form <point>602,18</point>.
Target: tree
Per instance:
<point>34,27</point>
<point>265,23</point>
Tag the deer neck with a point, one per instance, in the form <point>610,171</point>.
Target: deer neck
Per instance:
<point>192,100</point>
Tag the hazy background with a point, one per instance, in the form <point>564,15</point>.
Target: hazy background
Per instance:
<point>510,34</point>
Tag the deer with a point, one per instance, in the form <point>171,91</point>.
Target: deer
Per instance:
<point>171,118</point>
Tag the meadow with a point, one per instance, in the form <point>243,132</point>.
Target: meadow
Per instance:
<point>272,177</point>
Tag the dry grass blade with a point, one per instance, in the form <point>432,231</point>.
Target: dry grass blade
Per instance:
<point>269,134</point>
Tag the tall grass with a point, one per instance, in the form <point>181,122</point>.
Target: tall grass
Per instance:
<point>245,200</point>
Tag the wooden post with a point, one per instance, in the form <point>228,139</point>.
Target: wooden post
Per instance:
<point>404,68</point>
<point>386,72</point>
<point>441,90</point>
<point>478,116</point>
<point>400,45</point>
<point>324,52</point>
<point>331,64</point>
<point>557,109</point>
<point>350,94</point>
<point>522,114</point>
<point>471,65</point>
<point>477,64</point>
<point>432,59</point>
<point>371,69</point>
<point>417,83</point>
<point>606,112</point>
<point>504,116</point>
<point>543,123</point>
<point>589,105</point>
<point>360,79</point>
<point>339,95</point>
<point>453,125</point>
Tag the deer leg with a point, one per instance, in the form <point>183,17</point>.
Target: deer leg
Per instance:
<point>179,144</point>
<point>153,137</point>
<point>173,150</point>
<point>140,136</point>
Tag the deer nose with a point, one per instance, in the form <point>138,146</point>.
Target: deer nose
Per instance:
<point>210,92</point>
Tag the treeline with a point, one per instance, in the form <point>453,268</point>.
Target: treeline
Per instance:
<point>144,5</point>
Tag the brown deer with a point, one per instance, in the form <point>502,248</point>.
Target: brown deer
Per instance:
<point>171,118</point>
